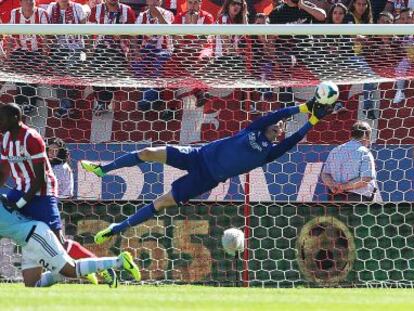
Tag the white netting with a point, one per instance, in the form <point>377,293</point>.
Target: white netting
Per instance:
<point>104,103</point>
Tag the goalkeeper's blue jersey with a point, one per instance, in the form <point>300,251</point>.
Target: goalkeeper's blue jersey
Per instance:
<point>249,148</point>
<point>15,226</point>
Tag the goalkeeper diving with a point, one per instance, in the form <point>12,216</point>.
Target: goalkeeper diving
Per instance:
<point>215,162</point>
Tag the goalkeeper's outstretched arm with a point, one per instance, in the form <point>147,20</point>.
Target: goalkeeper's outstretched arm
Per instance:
<point>319,111</point>
<point>275,116</point>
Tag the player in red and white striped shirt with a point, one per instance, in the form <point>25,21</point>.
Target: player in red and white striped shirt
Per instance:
<point>23,154</point>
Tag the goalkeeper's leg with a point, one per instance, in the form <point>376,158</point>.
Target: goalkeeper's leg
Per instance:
<point>149,154</point>
<point>189,186</point>
<point>176,156</point>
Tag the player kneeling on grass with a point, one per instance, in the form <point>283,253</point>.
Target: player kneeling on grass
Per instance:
<point>42,250</point>
<point>219,160</point>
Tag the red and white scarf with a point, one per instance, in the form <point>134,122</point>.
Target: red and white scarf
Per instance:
<point>69,14</point>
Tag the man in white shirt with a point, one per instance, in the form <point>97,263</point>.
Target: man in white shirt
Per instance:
<point>349,171</point>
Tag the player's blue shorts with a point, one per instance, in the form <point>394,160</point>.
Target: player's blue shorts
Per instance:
<point>197,181</point>
<point>41,208</point>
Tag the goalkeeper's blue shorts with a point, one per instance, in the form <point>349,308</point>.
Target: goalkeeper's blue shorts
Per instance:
<point>42,208</point>
<point>197,181</point>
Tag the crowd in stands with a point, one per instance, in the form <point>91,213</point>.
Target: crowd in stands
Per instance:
<point>152,55</point>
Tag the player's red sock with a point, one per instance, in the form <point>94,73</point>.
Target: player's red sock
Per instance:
<point>77,251</point>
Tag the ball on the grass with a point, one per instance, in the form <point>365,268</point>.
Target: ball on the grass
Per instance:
<point>327,93</point>
<point>233,241</point>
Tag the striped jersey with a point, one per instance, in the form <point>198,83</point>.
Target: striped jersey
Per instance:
<point>28,42</point>
<point>101,15</point>
<point>21,154</point>
<point>156,42</point>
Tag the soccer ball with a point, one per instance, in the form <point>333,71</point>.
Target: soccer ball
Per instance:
<point>232,241</point>
<point>327,93</point>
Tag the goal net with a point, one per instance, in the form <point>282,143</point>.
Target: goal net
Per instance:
<point>110,90</point>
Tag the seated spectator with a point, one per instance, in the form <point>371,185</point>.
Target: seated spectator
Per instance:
<point>263,50</point>
<point>349,171</point>
<point>232,53</point>
<point>293,12</point>
<point>192,52</point>
<point>378,6</point>
<point>296,12</point>
<point>58,155</point>
<point>337,14</point>
<point>110,52</point>
<point>26,53</point>
<point>361,12</point>
<point>232,12</point>
<point>385,18</point>
<point>194,48</point>
<point>67,51</point>
<point>404,17</point>
<point>152,52</point>
<point>396,6</point>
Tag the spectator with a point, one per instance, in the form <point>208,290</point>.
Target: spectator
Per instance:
<point>395,6</point>
<point>67,52</point>
<point>194,14</point>
<point>171,5</point>
<point>232,53</point>
<point>297,12</point>
<point>349,171</point>
<point>293,12</point>
<point>405,17</point>
<point>263,51</point>
<point>327,4</point>
<point>110,53</point>
<point>152,52</point>
<point>378,6</point>
<point>337,14</point>
<point>192,52</point>
<point>58,155</point>
<point>361,12</point>
<point>25,53</point>
<point>385,18</point>
<point>232,12</point>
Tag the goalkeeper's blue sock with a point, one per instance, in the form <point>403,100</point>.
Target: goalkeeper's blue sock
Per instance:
<point>48,279</point>
<point>87,266</point>
<point>128,160</point>
<point>142,215</point>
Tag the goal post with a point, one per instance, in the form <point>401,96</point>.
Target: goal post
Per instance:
<point>112,92</point>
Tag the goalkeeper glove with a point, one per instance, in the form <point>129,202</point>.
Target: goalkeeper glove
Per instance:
<point>319,111</point>
<point>308,106</point>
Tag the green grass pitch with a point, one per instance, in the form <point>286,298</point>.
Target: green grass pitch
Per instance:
<point>181,298</point>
